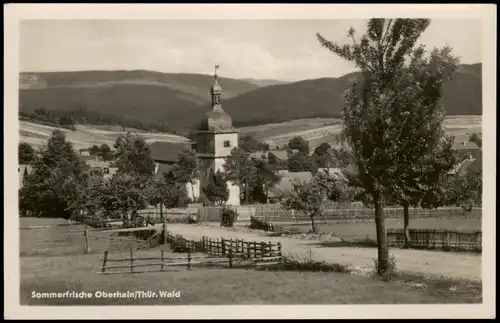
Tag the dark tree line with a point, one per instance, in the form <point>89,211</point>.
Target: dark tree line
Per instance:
<point>69,118</point>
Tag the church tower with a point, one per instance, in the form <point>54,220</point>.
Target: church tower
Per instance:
<point>216,137</point>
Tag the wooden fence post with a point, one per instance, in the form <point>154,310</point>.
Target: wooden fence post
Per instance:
<point>189,260</point>
<point>270,249</point>
<point>131,260</point>
<point>279,249</point>
<point>230,258</point>
<point>255,249</point>
<point>249,250</point>
<point>223,246</point>
<point>203,243</point>
<point>104,261</point>
<point>86,234</point>
<point>162,259</point>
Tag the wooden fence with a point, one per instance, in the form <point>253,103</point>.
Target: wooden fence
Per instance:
<point>223,251</point>
<point>223,247</point>
<point>437,239</point>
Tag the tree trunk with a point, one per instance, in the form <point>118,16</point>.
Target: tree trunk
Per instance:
<point>313,224</point>
<point>406,216</point>
<point>161,210</point>
<point>382,248</point>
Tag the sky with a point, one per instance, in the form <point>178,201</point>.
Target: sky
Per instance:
<point>284,50</point>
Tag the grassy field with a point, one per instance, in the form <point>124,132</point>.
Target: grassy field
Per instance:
<point>456,125</point>
<point>362,230</point>
<point>64,267</point>
<point>366,229</point>
<point>283,128</point>
<point>84,136</point>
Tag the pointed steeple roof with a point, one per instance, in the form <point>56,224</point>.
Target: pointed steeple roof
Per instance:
<point>217,120</point>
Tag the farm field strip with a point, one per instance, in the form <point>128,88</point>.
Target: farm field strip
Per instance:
<point>277,131</point>
<point>84,136</point>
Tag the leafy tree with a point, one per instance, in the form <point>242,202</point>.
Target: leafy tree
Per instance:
<point>249,144</point>
<point>26,153</point>
<point>104,148</point>
<point>95,150</point>
<point>133,155</point>
<point>186,169</point>
<point>322,149</point>
<point>58,175</point>
<point>217,190</point>
<point>476,138</point>
<point>321,156</point>
<point>341,157</point>
<point>311,197</point>
<point>300,144</point>
<point>381,122</point>
<point>238,169</point>
<point>166,193</point>
<point>300,162</point>
<point>124,193</point>
<point>264,177</point>
<point>466,191</point>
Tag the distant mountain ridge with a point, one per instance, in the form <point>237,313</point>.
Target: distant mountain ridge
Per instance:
<point>263,82</point>
<point>181,100</point>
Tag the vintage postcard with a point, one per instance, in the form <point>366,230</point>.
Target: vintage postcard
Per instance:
<point>249,161</point>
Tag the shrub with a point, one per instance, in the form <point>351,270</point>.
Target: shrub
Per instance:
<point>228,217</point>
<point>178,244</point>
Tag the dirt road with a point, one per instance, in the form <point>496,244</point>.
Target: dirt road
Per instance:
<point>429,263</point>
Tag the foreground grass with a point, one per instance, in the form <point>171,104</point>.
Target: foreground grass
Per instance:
<point>211,286</point>
<point>53,260</point>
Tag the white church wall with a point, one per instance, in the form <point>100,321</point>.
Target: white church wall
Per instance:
<point>193,189</point>
<point>234,194</point>
<point>220,139</point>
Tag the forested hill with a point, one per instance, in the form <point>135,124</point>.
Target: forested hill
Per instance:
<point>181,100</point>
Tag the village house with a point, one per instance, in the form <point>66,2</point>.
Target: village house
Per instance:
<point>23,170</point>
<point>165,154</point>
<point>98,166</point>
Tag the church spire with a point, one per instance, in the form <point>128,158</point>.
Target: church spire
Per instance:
<point>216,91</point>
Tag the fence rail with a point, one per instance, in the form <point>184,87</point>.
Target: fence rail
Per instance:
<point>269,213</point>
<point>223,247</point>
<point>220,251</point>
<point>437,239</point>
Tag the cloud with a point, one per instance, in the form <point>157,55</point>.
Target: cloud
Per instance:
<point>273,50</point>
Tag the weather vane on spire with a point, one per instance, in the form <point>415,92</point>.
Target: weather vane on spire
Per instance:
<point>216,69</point>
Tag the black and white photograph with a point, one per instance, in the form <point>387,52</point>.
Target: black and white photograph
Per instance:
<point>248,157</point>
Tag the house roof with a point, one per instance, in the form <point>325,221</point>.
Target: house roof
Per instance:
<point>286,182</point>
<point>470,159</point>
<point>475,164</point>
<point>280,154</point>
<point>164,151</point>
<point>465,145</point>
<point>335,172</point>
<point>88,157</point>
<point>162,169</point>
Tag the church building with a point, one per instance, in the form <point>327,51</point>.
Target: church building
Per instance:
<point>215,139</point>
